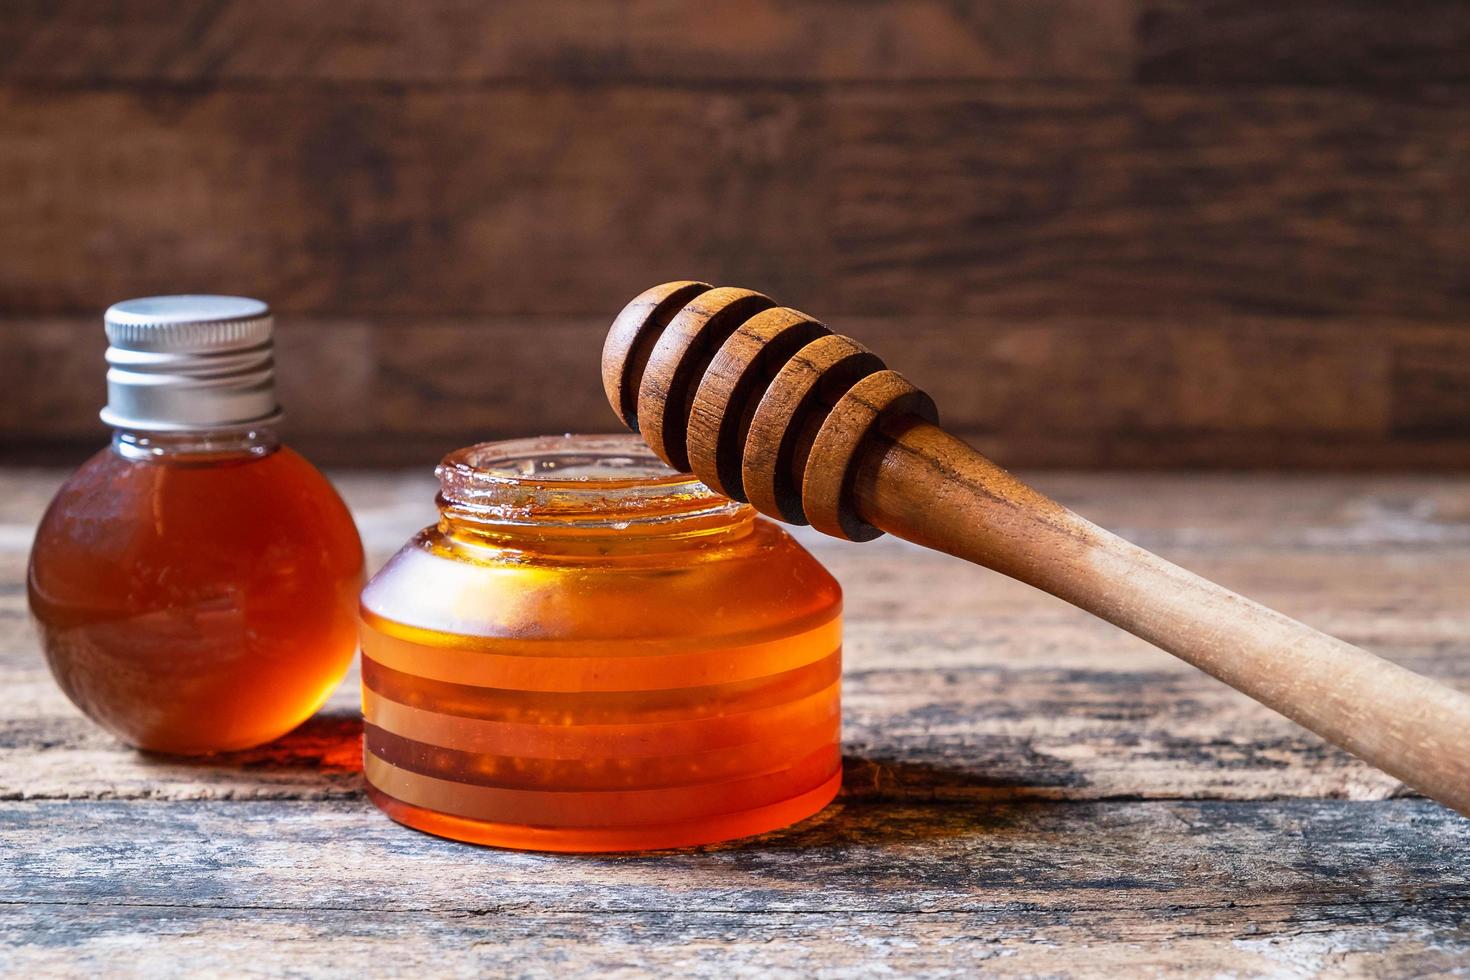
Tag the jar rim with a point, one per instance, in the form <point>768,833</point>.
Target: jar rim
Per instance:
<point>610,480</point>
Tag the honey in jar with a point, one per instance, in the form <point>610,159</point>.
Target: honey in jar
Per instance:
<point>591,652</point>
<point>195,584</point>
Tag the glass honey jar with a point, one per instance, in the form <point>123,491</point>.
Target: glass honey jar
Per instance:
<point>592,652</point>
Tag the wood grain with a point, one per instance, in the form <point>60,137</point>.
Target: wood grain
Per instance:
<point>444,41</point>
<point>1024,786</point>
<point>1299,169</point>
<point>1348,42</point>
<point>963,859</point>
<point>1223,392</point>
<point>1306,937</point>
<point>1366,888</point>
<point>854,201</point>
<point>449,41</point>
<point>918,482</point>
<point>475,201</point>
<point>1176,203</point>
<point>964,686</point>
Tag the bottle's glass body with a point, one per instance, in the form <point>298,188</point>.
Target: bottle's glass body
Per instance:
<point>196,592</point>
<point>590,652</point>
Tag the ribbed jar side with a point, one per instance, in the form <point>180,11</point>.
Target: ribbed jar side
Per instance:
<point>628,701</point>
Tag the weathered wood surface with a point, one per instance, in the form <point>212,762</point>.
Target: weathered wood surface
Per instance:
<point>1238,391</point>
<point>1292,888</point>
<point>1028,791</point>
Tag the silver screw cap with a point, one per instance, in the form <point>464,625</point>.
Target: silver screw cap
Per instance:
<point>179,363</point>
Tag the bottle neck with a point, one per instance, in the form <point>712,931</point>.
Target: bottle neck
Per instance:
<point>196,446</point>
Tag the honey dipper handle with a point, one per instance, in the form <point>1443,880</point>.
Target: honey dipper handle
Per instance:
<point>922,484</point>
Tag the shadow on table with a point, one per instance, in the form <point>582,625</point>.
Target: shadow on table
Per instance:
<point>327,745</point>
<point>877,779</point>
<point>882,800</point>
<point>891,802</point>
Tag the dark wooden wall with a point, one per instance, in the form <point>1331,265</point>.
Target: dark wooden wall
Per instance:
<point>1101,232</point>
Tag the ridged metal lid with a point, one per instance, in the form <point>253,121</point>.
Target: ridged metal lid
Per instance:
<point>189,362</point>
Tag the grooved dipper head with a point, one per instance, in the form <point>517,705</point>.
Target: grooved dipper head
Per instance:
<point>762,402</point>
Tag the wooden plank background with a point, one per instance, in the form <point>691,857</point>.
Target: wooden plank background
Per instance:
<point>1100,232</point>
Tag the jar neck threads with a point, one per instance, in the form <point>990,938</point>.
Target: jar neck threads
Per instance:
<point>579,492</point>
<point>201,446</point>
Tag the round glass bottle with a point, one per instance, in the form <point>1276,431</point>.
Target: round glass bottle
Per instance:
<point>591,652</point>
<point>195,584</point>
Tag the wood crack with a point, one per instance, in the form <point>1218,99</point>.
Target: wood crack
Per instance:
<point>1325,904</point>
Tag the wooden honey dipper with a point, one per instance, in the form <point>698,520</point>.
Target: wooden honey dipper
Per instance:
<point>765,404</point>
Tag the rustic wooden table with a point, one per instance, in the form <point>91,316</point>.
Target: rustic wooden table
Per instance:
<point>1028,791</point>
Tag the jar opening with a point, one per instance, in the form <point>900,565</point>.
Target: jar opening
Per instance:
<point>586,481</point>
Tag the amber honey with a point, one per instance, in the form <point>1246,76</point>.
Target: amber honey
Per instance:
<point>197,594</point>
<point>590,652</point>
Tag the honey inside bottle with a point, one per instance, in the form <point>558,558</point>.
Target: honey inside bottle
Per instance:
<point>197,593</point>
<point>590,652</point>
